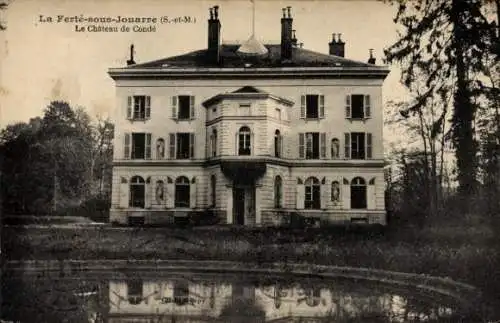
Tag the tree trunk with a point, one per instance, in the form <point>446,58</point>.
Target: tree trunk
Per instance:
<point>463,114</point>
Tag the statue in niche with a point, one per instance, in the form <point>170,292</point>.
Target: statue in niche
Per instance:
<point>335,148</point>
<point>160,192</point>
<point>335,192</point>
<point>160,148</point>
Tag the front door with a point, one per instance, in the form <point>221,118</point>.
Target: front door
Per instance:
<point>239,205</point>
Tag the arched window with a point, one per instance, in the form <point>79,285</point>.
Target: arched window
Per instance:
<point>358,193</point>
<point>182,192</point>
<point>313,297</point>
<point>312,193</point>
<point>244,147</point>
<point>160,148</point>
<point>277,144</point>
<point>335,148</point>
<point>213,144</point>
<point>213,189</point>
<point>278,192</point>
<point>137,192</point>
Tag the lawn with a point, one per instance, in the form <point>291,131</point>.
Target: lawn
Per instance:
<point>465,253</point>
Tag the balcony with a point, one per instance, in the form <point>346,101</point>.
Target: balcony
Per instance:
<point>245,169</point>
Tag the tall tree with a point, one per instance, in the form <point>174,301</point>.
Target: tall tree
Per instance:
<point>447,41</point>
<point>3,6</point>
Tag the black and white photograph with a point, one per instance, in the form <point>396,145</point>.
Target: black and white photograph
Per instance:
<point>263,161</point>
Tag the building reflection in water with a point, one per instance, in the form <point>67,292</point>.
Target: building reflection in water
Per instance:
<point>183,299</point>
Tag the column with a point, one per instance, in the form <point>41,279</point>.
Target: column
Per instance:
<point>258,215</point>
<point>229,205</point>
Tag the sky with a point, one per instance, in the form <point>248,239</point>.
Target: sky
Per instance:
<point>42,61</point>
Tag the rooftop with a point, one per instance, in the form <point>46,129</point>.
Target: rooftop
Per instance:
<point>231,58</point>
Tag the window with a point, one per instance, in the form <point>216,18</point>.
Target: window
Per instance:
<point>183,107</point>
<point>138,107</point>
<point>181,145</point>
<point>137,146</point>
<point>134,291</point>
<point>358,145</point>
<point>313,297</point>
<point>244,146</point>
<point>312,106</point>
<point>312,145</point>
<point>181,293</point>
<point>312,193</point>
<point>213,143</point>
<point>278,142</point>
<point>277,113</point>
<point>182,192</point>
<point>137,192</point>
<point>358,106</point>
<point>358,193</point>
<point>213,189</point>
<point>278,192</point>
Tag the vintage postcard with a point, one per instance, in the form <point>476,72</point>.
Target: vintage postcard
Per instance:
<point>247,161</point>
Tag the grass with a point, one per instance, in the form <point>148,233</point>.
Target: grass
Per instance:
<point>462,251</point>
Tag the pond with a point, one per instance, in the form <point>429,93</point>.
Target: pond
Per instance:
<point>158,296</point>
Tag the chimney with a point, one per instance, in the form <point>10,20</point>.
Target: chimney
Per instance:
<point>337,46</point>
<point>131,60</point>
<point>371,60</point>
<point>213,52</point>
<point>294,39</point>
<point>286,34</point>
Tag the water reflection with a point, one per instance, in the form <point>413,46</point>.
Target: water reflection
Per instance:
<point>211,298</point>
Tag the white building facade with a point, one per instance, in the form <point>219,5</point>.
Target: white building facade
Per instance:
<point>251,134</point>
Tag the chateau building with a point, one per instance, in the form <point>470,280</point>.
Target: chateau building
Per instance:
<point>252,133</point>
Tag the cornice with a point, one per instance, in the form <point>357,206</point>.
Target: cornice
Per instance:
<point>300,163</point>
<point>249,73</point>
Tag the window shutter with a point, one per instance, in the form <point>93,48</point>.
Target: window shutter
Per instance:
<point>302,146</point>
<point>174,107</point>
<point>300,196</point>
<point>126,148</point>
<point>346,196</point>
<point>191,145</point>
<point>368,145</point>
<point>302,106</point>
<point>171,151</point>
<point>129,107</point>
<point>237,144</point>
<point>191,106</point>
<point>170,194</point>
<point>348,106</point>
<point>124,193</point>
<point>208,145</point>
<point>367,107</point>
<point>192,194</point>
<point>324,195</point>
<point>148,146</point>
<point>321,106</point>
<point>371,198</point>
<point>147,193</point>
<point>280,146</point>
<point>148,107</point>
<point>347,143</point>
<point>322,144</point>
